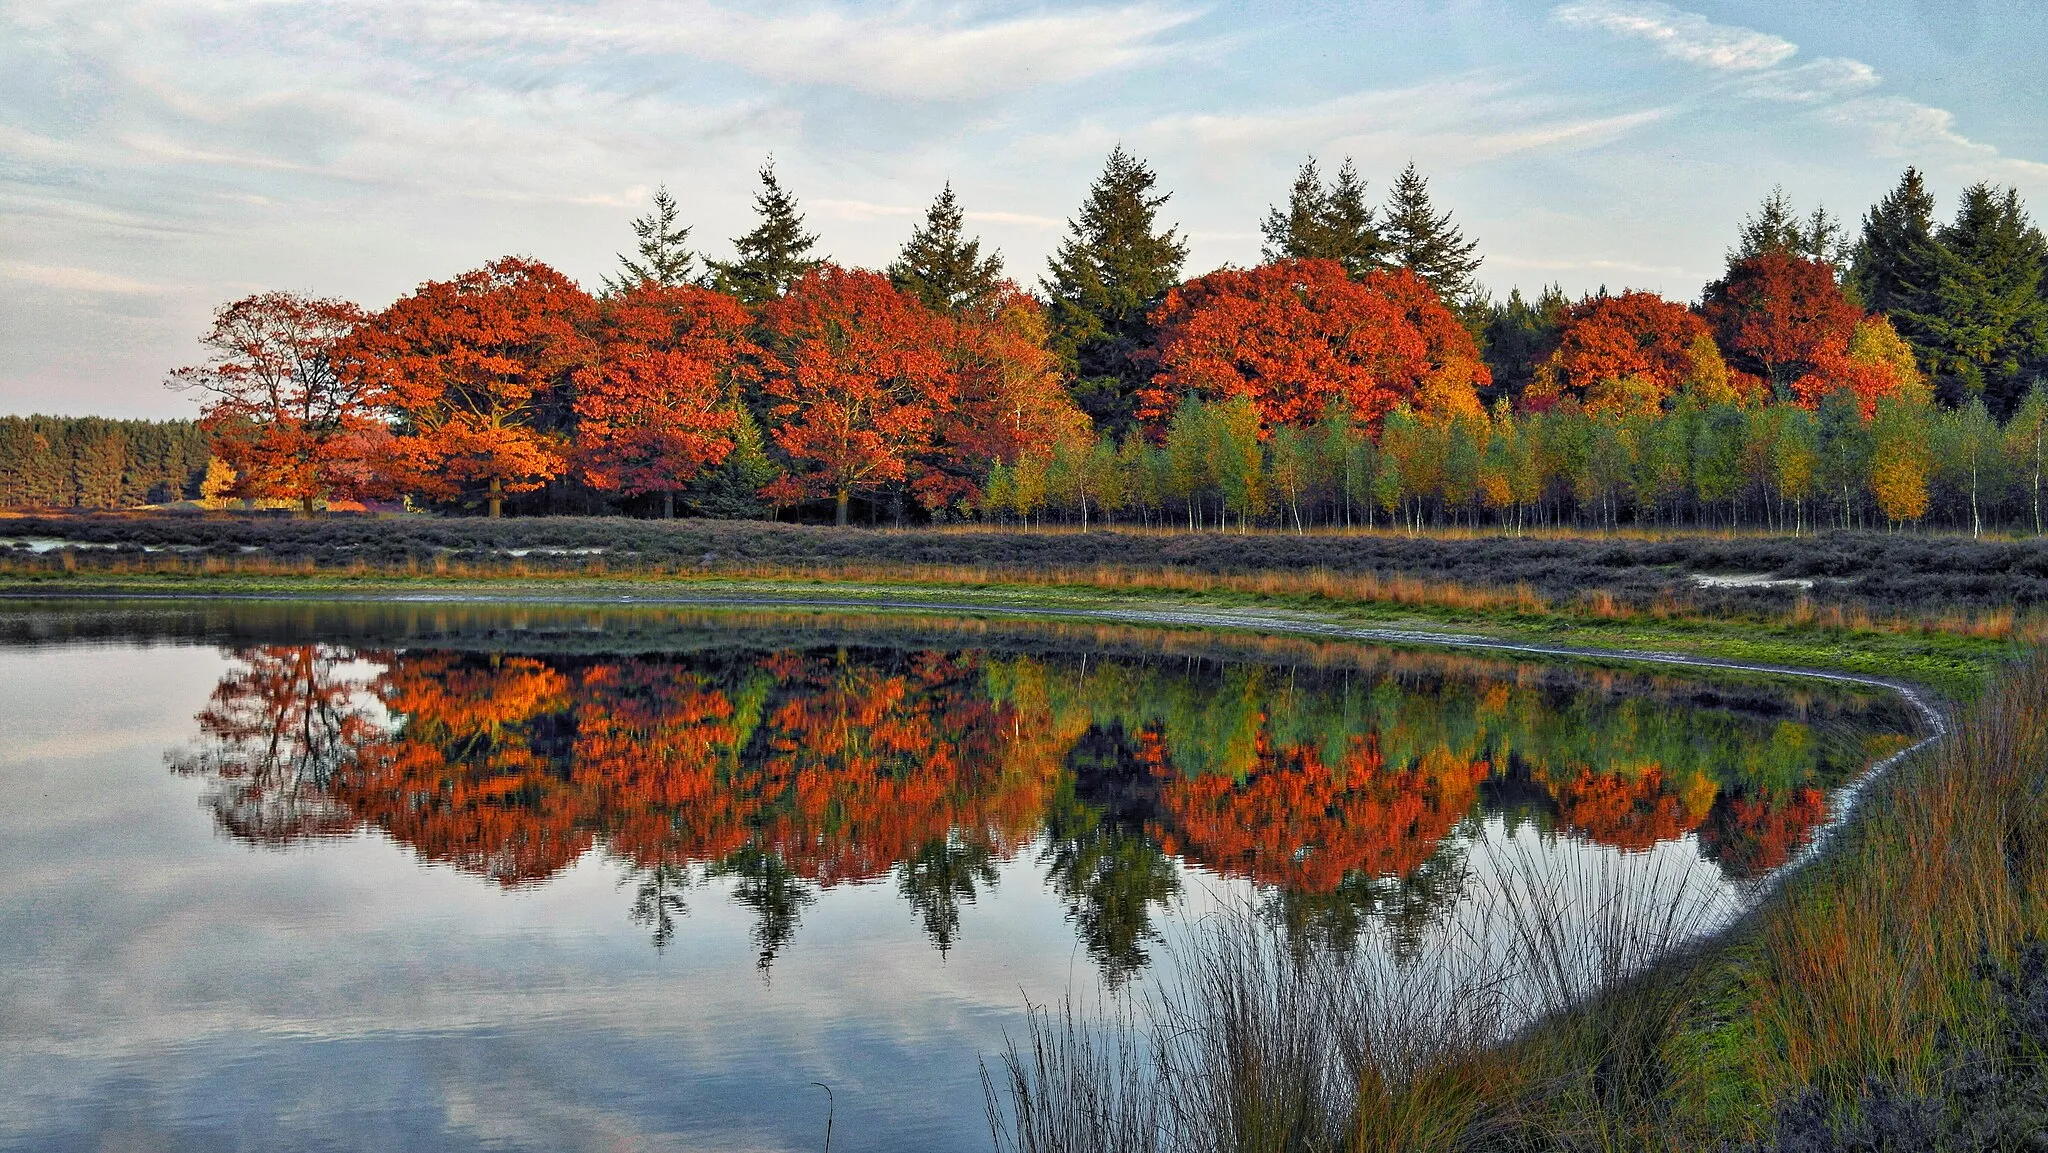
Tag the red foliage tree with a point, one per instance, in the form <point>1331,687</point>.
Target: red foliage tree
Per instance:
<point>279,406</point>
<point>1011,399</point>
<point>1780,316</point>
<point>475,368</point>
<point>660,400</point>
<point>857,377</point>
<point>1297,336</point>
<point>1637,335</point>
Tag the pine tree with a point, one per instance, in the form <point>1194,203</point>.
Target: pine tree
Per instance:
<point>1988,322</point>
<point>1776,227</point>
<point>944,267</point>
<point>1897,264</point>
<point>1104,278</point>
<point>664,259</point>
<point>1427,242</point>
<point>775,254</point>
<point>1326,222</point>
<point>1519,334</point>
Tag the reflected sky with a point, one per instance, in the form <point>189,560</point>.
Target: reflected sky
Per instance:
<point>166,984</point>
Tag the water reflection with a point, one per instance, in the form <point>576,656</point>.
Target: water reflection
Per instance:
<point>1339,787</point>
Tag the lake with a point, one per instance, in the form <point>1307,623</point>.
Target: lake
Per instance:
<point>447,876</point>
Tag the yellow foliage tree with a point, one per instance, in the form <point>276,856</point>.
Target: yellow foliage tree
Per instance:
<point>217,485</point>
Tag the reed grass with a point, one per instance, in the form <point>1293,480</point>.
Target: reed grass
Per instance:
<point>1621,1003</point>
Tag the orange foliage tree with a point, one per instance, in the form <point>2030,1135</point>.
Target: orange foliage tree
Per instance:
<point>1636,336</point>
<point>1012,400</point>
<point>857,377</point>
<point>279,406</point>
<point>1299,336</point>
<point>1781,316</point>
<point>475,369</point>
<point>660,401</point>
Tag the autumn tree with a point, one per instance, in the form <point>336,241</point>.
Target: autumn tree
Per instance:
<point>1427,242</point>
<point>475,370</point>
<point>1298,336</point>
<point>1326,222</point>
<point>1637,336</point>
<point>943,267</point>
<point>661,399</point>
<point>775,254</point>
<point>1780,316</point>
<point>1011,399</point>
<point>284,411</point>
<point>1900,460</point>
<point>856,378</point>
<point>1104,280</point>
<point>664,258</point>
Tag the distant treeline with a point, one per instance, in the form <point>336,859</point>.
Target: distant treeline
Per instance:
<point>93,462</point>
<point>1358,374</point>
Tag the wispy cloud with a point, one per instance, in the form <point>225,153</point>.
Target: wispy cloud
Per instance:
<point>69,279</point>
<point>1680,35</point>
<point>1471,119</point>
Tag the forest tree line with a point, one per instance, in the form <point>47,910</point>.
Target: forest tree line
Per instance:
<point>93,462</point>
<point>1358,376</point>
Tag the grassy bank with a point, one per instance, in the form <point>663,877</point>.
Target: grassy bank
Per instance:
<point>1877,574</point>
<point>1950,652</point>
<point>1891,997</point>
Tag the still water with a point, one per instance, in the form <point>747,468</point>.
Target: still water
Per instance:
<point>444,877</point>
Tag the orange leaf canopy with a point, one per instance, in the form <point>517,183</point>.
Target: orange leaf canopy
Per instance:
<point>475,368</point>
<point>857,378</point>
<point>658,403</point>
<point>1298,336</point>
<point>1637,335</point>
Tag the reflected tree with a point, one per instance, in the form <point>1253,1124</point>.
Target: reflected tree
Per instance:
<point>945,873</point>
<point>765,883</point>
<point>278,729</point>
<point>658,901</point>
<point>1110,876</point>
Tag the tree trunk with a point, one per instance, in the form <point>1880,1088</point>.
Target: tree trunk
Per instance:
<point>497,497</point>
<point>839,516</point>
<point>668,504</point>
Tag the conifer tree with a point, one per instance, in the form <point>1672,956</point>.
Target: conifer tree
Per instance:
<point>774,254</point>
<point>1775,227</point>
<point>1988,322</point>
<point>1426,242</point>
<point>942,266</point>
<point>1897,264</point>
<point>1326,222</point>
<point>1520,334</point>
<point>1104,278</point>
<point>664,258</point>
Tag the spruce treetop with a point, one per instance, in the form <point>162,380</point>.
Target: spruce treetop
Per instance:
<point>942,266</point>
<point>1109,271</point>
<point>1112,264</point>
<point>664,258</point>
<point>1776,227</point>
<point>775,254</point>
<point>1426,242</point>
<point>1326,222</point>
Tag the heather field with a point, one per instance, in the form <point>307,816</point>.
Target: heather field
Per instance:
<point>1877,573</point>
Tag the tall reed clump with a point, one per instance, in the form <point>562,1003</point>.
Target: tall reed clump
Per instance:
<point>1266,1043</point>
<point>1871,968</point>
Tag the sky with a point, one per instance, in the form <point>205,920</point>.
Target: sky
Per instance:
<point>161,157</point>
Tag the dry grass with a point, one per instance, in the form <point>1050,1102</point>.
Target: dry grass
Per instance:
<point>1867,960</point>
<point>2000,623</point>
